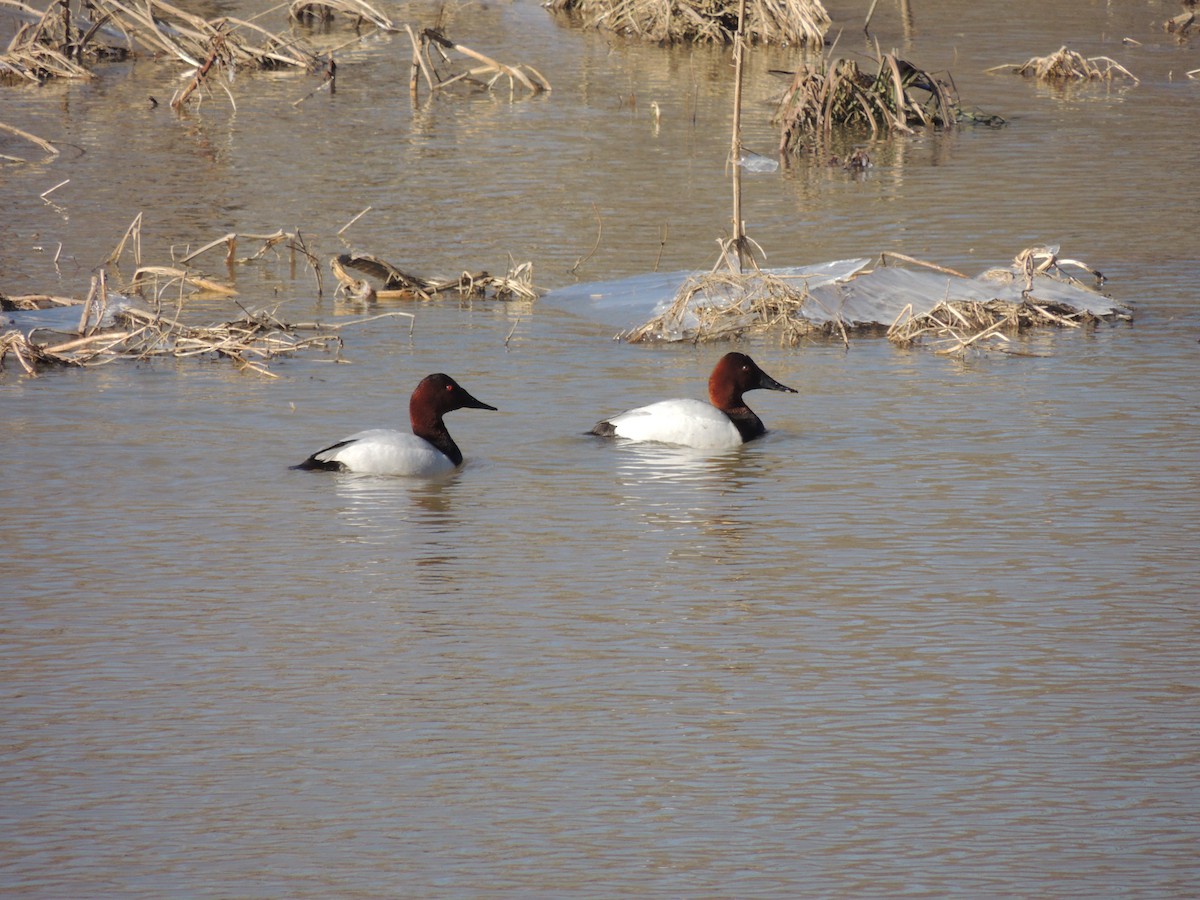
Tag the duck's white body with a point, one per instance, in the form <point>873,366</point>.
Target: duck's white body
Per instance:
<point>382,451</point>
<point>689,423</point>
<point>429,450</point>
<point>723,423</point>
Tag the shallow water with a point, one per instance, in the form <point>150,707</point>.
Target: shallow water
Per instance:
<point>935,634</point>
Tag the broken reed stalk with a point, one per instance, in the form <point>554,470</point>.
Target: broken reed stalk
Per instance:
<point>599,234</point>
<point>50,149</point>
<point>198,79</point>
<point>430,38</point>
<point>346,227</point>
<point>151,274</point>
<point>134,232</point>
<point>294,241</point>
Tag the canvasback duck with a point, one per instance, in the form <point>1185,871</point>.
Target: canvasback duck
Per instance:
<point>723,423</point>
<point>429,450</point>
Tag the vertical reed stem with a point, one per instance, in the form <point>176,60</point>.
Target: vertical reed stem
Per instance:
<point>739,227</point>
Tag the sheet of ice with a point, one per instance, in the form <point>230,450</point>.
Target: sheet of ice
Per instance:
<point>840,289</point>
<point>629,302</point>
<point>62,319</point>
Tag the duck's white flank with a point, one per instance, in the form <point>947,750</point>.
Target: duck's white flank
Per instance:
<point>724,422</point>
<point>429,450</point>
<point>690,423</point>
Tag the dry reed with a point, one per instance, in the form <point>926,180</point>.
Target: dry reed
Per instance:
<point>431,53</point>
<point>782,22</point>
<point>250,342</point>
<point>720,306</point>
<point>898,97</point>
<point>324,11</point>
<point>956,326</point>
<point>62,41</point>
<point>1067,65</point>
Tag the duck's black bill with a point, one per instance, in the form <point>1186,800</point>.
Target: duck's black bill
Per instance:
<point>766,381</point>
<point>470,402</point>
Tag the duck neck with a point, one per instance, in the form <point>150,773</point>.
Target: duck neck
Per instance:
<point>728,399</point>
<point>433,430</point>
<point>748,424</point>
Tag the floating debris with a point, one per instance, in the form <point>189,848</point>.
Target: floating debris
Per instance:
<point>897,98</point>
<point>909,300</point>
<point>783,22</point>
<point>515,284</point>
<point>401,284</point>
<point>1183,24</point>
<point>1066,65</point>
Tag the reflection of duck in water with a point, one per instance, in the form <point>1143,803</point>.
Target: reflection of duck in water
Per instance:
<point>429,450</point>
<point>724,422</point>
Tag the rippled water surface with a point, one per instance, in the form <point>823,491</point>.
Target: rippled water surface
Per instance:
<point>934,635</point>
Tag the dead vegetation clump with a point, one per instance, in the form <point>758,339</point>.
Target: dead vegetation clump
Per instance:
<point>782,22</point>
<point>959,325</point>
<point>1065,66</point>
<point>897,98</point>
<point>723,305</point>
<point>113,328</point>
<point>326,11</point>
<point>66,38</point>
<point>144,317</point>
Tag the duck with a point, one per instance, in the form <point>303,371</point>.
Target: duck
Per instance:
<point>722,423</point>
<point>428,451</point>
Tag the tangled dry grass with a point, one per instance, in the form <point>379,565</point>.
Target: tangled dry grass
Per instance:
<point>325,11</point>
<point>723,305</point>
<point>956,326</point>
<point>1065,65</point>
<point>897,98</point>
<point>65,39</point>
<point>146,315</point>
<point>131,333</point>
<point>782,22</point>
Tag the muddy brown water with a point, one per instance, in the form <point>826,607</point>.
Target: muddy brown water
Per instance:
<point>935,635</point>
